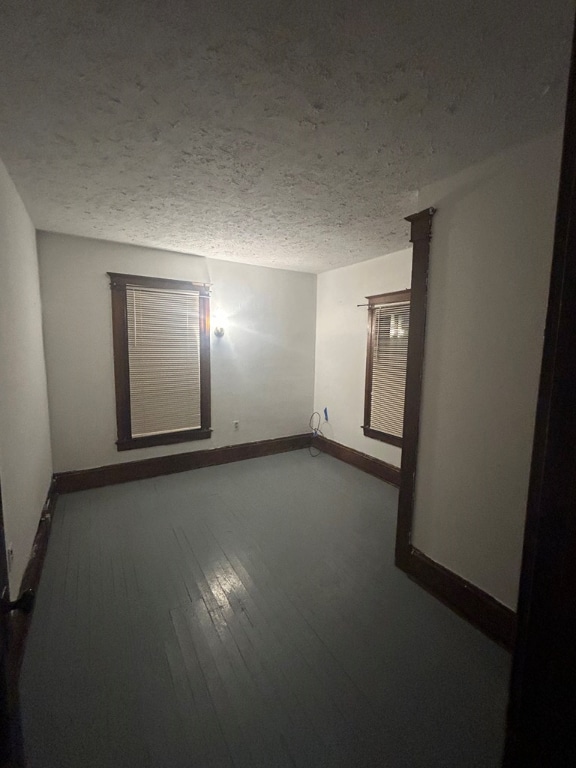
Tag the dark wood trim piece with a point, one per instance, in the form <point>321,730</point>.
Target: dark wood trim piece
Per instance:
<point>374,301</point>
<point>389,298</point>
<point>120,349</point>
<point>496,620</point>
<point>542,706</point>
<point>20,622</point>
<point>185,436</point>
<point>369,464</point>
<point>480,609</point>
<point>420,235</point>
<point>384,437</point>
<point>81,480</point>
<point>125,440</point>
<point>368,373</point>
<point>205,386</point>
<point>118,280</point>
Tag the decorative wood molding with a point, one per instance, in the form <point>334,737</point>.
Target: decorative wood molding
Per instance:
<point>19,622</point>
<point>420,235</point>
<point>388,298</point>
<point>373,303</point>
<point>112,474</point>
<point>496,620</point>
<point>384,437</point>
<point>169,438</point>
<point>120,281</point>
<point>126,441</point>
<point>369,464</point>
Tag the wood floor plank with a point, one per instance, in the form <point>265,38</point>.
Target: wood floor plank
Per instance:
<point>239,638</point>
<point>302,689</point>
<point>260,651</point>
<point>329,694</point>
<point>249,615</point>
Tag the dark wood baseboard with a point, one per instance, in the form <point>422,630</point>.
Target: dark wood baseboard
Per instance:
<point>19,622</point>
<point>480,609</point>
<point>476,606</point>
<point>369,464</point>
<point>494,619</point>
<point>81,480</point>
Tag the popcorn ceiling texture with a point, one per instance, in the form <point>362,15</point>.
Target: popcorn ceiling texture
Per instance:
<point>287,134</point>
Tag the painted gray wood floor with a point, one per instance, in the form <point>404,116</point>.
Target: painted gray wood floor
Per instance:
<point>249,615</point>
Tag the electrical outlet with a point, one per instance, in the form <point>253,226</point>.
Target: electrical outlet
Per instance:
<point>10,556</point>
<point>236,425</point>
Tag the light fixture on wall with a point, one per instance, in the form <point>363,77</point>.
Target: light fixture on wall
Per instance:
<point>218,321</point>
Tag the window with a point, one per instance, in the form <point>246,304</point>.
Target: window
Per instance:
<point>388,327</point>
<point>161,360</point>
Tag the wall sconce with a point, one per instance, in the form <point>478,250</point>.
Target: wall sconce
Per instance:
<point>218,321</point>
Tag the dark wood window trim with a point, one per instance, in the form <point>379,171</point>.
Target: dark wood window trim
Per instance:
<point>118,284</point>
<point>373,302</point>
<point>389,298</point>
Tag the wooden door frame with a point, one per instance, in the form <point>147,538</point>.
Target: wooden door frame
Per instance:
<point>541,728</point>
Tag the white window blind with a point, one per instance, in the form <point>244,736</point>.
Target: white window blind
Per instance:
<point>163,359</point>
<point>390,328</point>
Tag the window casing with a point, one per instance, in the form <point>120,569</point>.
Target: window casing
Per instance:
<point>386,358</point>
<point>161,336</point>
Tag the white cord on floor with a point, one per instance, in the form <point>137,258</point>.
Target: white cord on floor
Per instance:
<point>316,427</point>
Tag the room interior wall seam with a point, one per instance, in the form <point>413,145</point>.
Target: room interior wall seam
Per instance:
<point>25,440</point>
<point>340,361</point>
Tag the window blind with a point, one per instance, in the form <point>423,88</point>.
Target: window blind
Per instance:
<point>390,328</point>
<point>163,359</point>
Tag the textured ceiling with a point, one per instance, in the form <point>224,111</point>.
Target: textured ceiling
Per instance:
<point>290,134</point>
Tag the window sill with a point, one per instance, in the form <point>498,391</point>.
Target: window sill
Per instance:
<point>169,438</point>
<point>382,436</point>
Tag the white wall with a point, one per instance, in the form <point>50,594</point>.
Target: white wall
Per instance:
<point>488,284</point>
<point>25,456</point>
<point>262,369</point>
<point>341,330</point>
